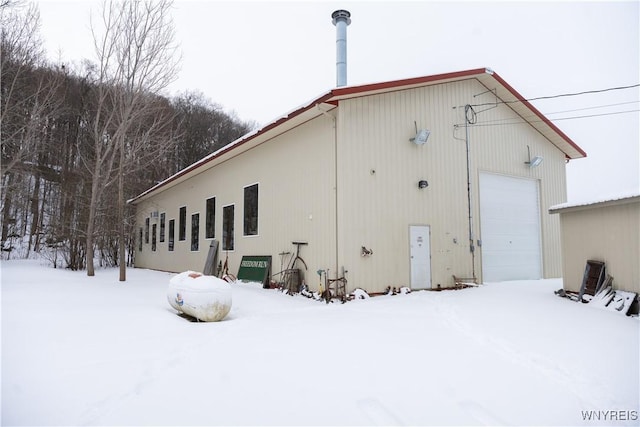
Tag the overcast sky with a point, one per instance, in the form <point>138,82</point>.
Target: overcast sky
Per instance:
<point>263,59</point>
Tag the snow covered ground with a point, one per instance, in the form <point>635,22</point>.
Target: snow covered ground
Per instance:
<point>94,351</point>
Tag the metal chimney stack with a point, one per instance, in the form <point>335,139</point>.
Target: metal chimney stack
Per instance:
<point>341,18</point>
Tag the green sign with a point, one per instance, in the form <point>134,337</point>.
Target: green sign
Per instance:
<point>255,268</point>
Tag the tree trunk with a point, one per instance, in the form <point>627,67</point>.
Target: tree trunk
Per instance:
<point>43,203</point>
<point>93,208</point>
<point>6,208</point>
<point>35,215</point>
<point>121,243</point>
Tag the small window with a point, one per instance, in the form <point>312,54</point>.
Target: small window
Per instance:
<point>227,228</point>
<point>251,210</point>
<point>146,230</point>
<point>154,228</point>
<point>172,233</point>
<point>210,225</point>
<point>140,240</point>
<point>195,231</point>
<point>182,224</point>
<point>162,221</point>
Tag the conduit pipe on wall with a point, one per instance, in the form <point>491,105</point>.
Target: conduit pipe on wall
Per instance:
<point>333,118</point>
<point>469,118</point>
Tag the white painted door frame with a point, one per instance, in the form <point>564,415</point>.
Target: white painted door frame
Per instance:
<point>420,256</point>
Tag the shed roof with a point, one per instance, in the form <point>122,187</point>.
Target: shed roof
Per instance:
<point>621,199</point>
<point>487,77</point>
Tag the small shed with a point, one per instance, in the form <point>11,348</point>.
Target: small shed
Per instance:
<point>607,231</point>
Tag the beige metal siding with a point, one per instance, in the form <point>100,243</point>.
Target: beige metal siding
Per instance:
<point>499,142</point>
<point>603,233</point>
<point>376,209</point>
<point>295,172</point>
<point>359,181</point>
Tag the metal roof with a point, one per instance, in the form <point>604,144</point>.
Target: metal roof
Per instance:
<point>487,77</point>
<point>622,199</point>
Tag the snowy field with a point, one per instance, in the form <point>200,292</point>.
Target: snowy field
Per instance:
<point>94,351</point>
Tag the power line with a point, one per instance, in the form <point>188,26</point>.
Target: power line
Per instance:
<point>598,115</point>
<point>490,123</point>
<point>587,92</point>
<point>594,107</point>
<point>564,111</point>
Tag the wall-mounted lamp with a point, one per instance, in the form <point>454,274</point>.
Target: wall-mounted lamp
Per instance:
<point>421,135</point>
<point>532,163</point>
<point>422,184</point>
<point>535,161</point>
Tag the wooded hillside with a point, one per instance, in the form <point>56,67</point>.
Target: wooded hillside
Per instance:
<point>78,141</point>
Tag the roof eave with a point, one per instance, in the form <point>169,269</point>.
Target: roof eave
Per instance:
<point>579,152</point>
<point>549,130</point>
<point>580,206</point>
<point>343,92</point>
<point>335,95</point>
<point>231,146</point>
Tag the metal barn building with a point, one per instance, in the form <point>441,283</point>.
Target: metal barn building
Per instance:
<point>400,183</point>
<point>606,231</point>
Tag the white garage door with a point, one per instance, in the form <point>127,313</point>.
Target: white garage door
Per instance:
<point>510,228</point>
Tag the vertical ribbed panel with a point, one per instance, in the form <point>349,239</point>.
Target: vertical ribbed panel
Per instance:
<point>377,198</point>
<point>604,233</point>
<point>377,209</point>
<point>295,174</point>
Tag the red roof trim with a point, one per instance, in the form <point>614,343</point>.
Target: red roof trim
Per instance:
<point>406,82</point>
<point>350,90</point>
<point>232,146</point>
<point>538,113</point>
<point>456,75</point>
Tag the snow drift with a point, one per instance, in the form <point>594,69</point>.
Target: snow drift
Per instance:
<point>80,350</point>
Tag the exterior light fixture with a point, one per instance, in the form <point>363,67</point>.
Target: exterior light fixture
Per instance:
<point>422,184</point>
<point>421,135</point>
<point>535,161</point>
<point>532,163</point>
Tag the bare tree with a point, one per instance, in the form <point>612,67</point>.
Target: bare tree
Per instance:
<point>137,58</point>
<point>4,4</point>
<point>24,93</point>
<point>203,127</point>
<point>28,97</point>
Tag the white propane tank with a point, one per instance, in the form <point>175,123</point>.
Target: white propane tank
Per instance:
<point>207,298</point>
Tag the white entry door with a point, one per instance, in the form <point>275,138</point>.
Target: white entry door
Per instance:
<point>420,252</point>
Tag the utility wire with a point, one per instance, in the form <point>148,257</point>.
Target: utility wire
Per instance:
<point>597,115</point>
<point>587,92</point>
<point>562,112</point>
<point>594,107</point>
<point>489,123</point>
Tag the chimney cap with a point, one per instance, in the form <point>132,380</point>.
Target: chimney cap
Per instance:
<point>341,15</point>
